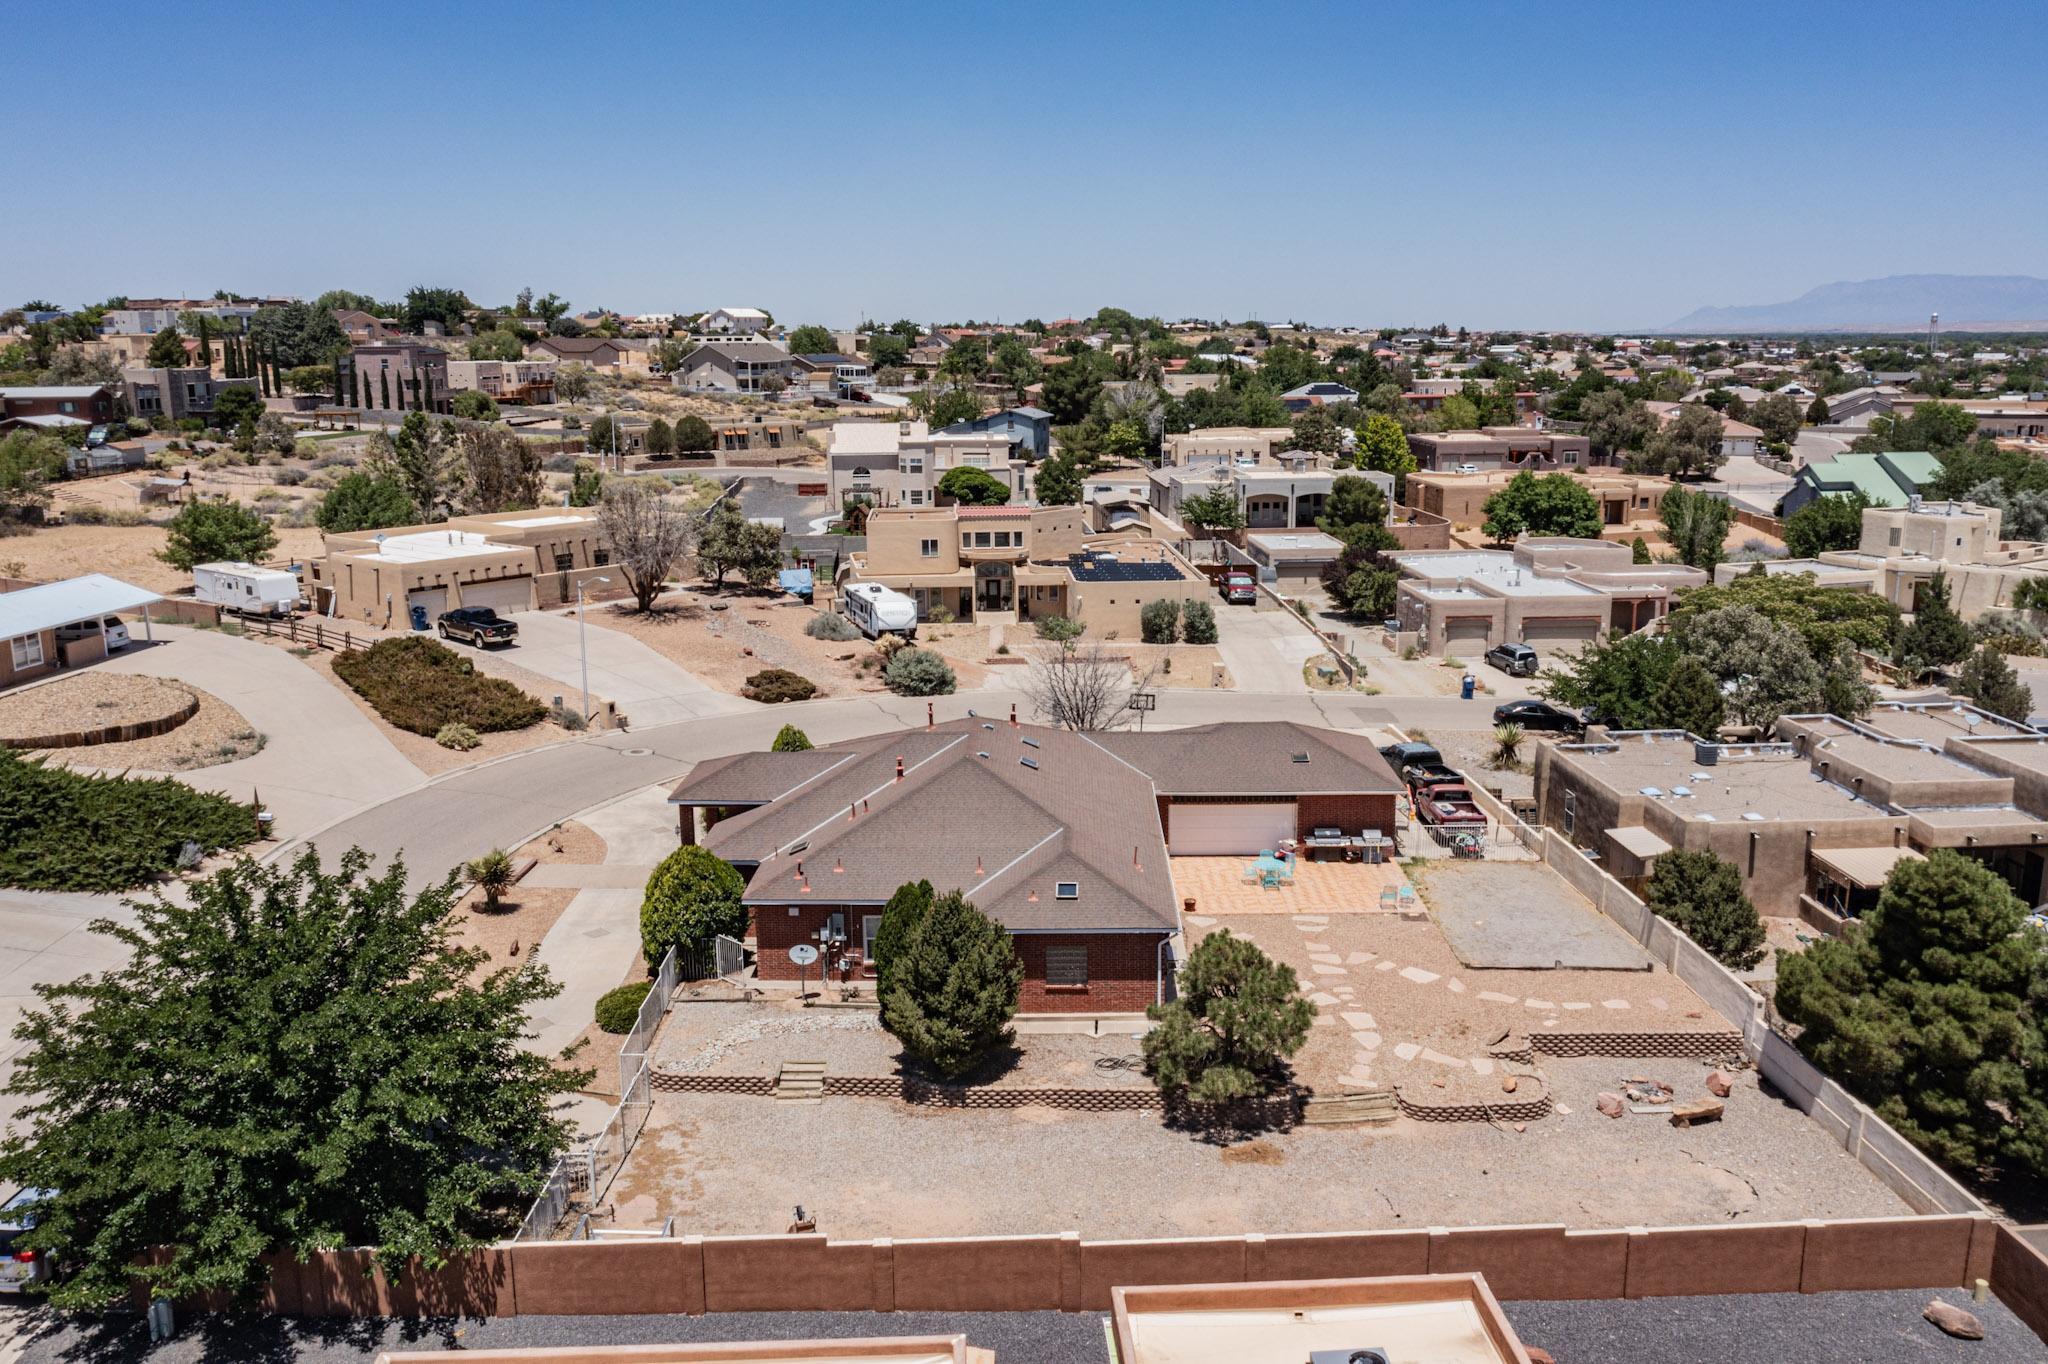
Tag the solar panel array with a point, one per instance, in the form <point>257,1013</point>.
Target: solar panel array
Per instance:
<point>1092,570</point>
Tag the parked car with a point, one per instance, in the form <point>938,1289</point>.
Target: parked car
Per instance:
<point>20,1269</point>
<point>1516,660</point>
<point>1448,804</point>
<point>1239,589</point>
<point>479,625</point>
<point>115,630</point>
<point>1537,715</point>
<point>1401,757</point>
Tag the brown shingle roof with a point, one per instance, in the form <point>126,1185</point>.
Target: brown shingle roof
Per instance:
<point>1254,758</point>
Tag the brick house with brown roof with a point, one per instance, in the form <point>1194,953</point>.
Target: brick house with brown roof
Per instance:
<point>1060,837</point>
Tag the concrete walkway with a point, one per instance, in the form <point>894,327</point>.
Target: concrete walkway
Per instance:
<point>44,940</point>
<point>647,687</point>
<point>322,758</point>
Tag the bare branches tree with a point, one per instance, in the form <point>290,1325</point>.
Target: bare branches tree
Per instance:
<point>648,537</point>
<point>505,473</point>
<point>1083,688</point>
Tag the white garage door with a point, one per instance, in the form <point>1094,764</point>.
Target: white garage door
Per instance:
<point>504,596</point>
<point>433,600</point>
<point>1468,632</point>
<point>1227,830</point>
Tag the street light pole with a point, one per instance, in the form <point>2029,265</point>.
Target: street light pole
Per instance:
<point>583,645</point>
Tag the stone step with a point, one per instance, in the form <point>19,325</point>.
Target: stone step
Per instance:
<point>800,1082</point>
<point>1377,1106</point>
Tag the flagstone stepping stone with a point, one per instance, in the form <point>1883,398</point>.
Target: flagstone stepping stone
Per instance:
<point>1496,997</point>
<point>1457,986</point>
<point>1534,1003</point>
<point>1418,975</point>
<point>1482,1064</point>
<point>1614,1004</point>
<point>1317,946</point>
<point>1440,1059</point>
<point>1386,966</point>
<point>1369,1040</point>
<point>1407,1051</point>
<point>1359,1019</point>
<point>1324,998</point>
<point>1576,1004</point>
<point>1323,970</point>
<point>1327,958</point>
<point>1360,958</point>
<point>1659,1002</point>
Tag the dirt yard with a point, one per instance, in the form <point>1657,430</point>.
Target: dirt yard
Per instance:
<point>525,913</point>
<point>126,552</point>
<point>730,1165</point>
<point>726,637</point>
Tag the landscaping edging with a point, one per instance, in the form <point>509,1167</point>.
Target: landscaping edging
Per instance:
<point>1701,1045</point>
<point>1277,1110</point>
<point>114,734</point>
<point>1520,1109</point>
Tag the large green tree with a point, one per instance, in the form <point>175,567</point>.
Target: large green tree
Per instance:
<point>950,999</point>
<point>1823,616</point>
<point>1216,509</point>
<point>29,462</point>
<point>1702,895</point>
<point>1991,684</point>
<point>1778,417</point>
<point>1695,525</point>
<point>1923,1011</point>
<point>421,459</point>
<point>1831,522</point>
<point>812,339</point>
<point>1765,668</point>
<point>1688,445</point>
<point>693,435</point>
<point>973,487</point>
<point>1383,447</point>
<point>901,918</point>
<point>1614,680</point>
<point>1555,504</point>
<point>233,406</point>
<point>1616,424</point>
<point>167,350</point>
<point>691,898</point>
<point>1937,637</point>
<point>290,1060</point>
<point>294,334</point>
<point>1690,699</point>
<point>445,306</point>
<point>1057,482</point>
<point>359,501</point>
<point>213,532</point>
<point>1238,1016</point>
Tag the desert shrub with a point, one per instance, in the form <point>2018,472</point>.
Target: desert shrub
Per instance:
<point>831,625</point>
<point>618,1010</point>
<point>86,514</point>
<point>1058,629</point>
<point>420,685</point>
<point>1160,621</point>
<point>1198,622</point>
<point>918,672</point>
<point>790,739</point>
<point>65,830</point>
<point>457,736</point>
<point>779,684</point>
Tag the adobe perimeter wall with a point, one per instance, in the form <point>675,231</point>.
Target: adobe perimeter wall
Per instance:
<point>1062,1272</point>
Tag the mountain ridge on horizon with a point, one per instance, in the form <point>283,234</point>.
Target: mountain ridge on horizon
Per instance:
<point>1893,303</point>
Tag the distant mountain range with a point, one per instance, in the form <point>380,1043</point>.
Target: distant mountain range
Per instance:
<point>1899,303</point>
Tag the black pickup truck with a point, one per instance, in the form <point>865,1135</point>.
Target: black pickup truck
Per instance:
<point>479,625</point>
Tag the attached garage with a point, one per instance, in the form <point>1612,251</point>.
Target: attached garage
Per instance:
<point>504,596</point>
<point>1466,633</point>
<point>1559,630</point>
<point>1227,829</point>
<point>432,600</point>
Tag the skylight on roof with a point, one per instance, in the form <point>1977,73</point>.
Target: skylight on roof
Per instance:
<point>1066,890</point>
<point>1031,763</point>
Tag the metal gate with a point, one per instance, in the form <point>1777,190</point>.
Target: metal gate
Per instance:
<point>732,957</point>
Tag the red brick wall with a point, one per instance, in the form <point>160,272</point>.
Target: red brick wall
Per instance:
<point>1349,813</point>
<point>1122,973</point>
<point>1122,967</point>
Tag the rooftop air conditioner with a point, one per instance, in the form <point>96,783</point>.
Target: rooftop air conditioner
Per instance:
<point>1706,754</point>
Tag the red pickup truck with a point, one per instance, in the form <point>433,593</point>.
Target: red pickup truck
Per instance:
<point>1446,804</point>
<point>1238,589</point>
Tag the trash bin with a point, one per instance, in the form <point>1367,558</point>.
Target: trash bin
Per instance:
<point>419,622</point>
<point>1467,686</point>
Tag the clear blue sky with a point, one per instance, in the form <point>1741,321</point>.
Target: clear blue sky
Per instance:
<point>1514,165</point>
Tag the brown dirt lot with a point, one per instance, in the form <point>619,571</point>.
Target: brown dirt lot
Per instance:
<point>127,552</point>
<point>759,630</point>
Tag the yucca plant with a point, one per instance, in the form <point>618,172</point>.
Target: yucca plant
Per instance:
<point>1507,745</point>
<point>491,874</point>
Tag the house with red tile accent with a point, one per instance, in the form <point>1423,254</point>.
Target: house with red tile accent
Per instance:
<point>1062,838</point>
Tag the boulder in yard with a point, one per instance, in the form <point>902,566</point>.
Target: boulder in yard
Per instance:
<point>1610,1104</point>
<point>1954,1320</point>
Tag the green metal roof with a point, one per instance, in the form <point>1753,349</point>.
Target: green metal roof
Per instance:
<point>1887,480</point>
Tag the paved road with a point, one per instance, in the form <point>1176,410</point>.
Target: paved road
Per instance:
<point>1264,650</point>
<point>648,687</point>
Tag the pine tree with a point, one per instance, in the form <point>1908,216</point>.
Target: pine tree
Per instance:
<point>1990,682</point>
<point>1639,551</point>
<point>384,383</point>
<point>1937,637</point>
<point>1702,896</point>
<point>263,373</point>
<point>790,739</point>
<point>1922,1011</point>
<point>950,1000</point>
<point>1690,699</point>
<point>900,920</point>
<point>1239,1014</point>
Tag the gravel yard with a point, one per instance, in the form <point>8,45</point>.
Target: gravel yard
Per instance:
<point>727,1165</point>
<point>217,733</point>
<point>755,1039</point>
<point>1471,752</point>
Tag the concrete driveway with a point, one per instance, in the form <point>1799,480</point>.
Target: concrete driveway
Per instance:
<point>648,687</point>
<point>1750,485</point>
<point>1264,650</point>
<point>322,759</point>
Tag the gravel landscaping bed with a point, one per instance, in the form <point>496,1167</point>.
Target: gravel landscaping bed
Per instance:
<point>216,733</point>
<point>726,1164</point>
<point>1471,752</point>
<point>755,1039</point>
<point>88,701</point>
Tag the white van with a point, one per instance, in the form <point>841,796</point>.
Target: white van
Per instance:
<point>111,628</point>
<point>879,611</point>
<point>248,589</point>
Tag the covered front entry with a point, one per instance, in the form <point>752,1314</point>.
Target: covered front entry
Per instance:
<point>503,596</point>
<point>995,587</point>
<point>1227,830</point>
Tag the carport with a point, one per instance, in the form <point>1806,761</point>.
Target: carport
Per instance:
<point>31,617</point>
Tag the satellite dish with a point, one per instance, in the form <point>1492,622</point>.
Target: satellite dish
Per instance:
<point>803,954</point>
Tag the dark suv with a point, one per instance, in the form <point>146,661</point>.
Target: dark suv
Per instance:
<point>479,625</point>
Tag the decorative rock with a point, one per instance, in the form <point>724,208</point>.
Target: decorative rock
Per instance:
<point>1418,975</point>
<point>1509,1084</point>
<point>1610,1104</point>
<point>1359,1019</point>
<point>1719,1083</point>
<point>1954,1320</point>
<point>1496,997</point>
<point>1407,1051</point>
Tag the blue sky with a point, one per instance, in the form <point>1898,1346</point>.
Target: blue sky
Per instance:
<point>1510,165</point>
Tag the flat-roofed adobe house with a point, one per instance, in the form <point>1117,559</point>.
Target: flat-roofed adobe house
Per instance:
<point>1062,838</point>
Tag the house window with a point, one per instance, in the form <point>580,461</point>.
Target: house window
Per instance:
<point>1067,966</point>
<point>928,549</point>
<point>861,474</point>
<point>1571,812</point>
<point>870,924</point>
<point>981,539</point>
<point>915,497</point>
<point>1894,537</point>
<point>564,562</point>
<point>913,464</point>
<point>28,652</point>
<point>601,557</point>
<point>1066,890</point>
